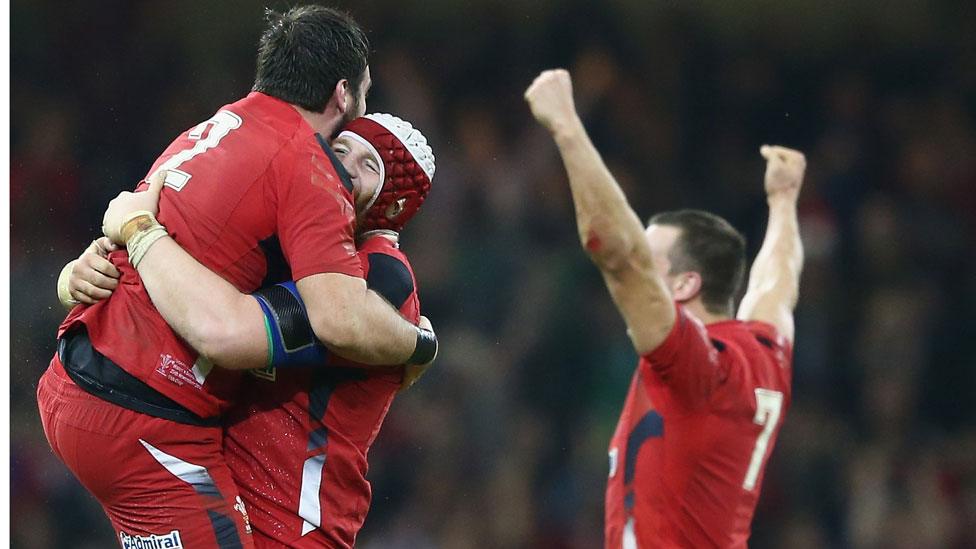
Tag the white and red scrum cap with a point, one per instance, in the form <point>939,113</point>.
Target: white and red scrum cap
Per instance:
<point>406,170</point>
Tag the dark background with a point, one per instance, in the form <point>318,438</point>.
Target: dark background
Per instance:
<point>504,443</point>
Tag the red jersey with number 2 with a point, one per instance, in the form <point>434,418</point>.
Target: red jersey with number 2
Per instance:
<point>700,420</point>
<point>297,441</point>
<point>254,170</point>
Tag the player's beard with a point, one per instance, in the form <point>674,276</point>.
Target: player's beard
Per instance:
<point>347,117</point>
<point>351,114</point>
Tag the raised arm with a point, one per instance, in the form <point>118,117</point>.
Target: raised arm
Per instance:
<point>774,281</point>
<point>609,230</point>
<point>228,327</point>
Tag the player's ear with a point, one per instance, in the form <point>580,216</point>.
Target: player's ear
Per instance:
<point>686,286</point>
<point>394,209</point>
<point>341,95</point>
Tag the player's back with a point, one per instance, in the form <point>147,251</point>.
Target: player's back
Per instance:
<point>254,170</point>
<point>700,420</point>
<point>297,442</point>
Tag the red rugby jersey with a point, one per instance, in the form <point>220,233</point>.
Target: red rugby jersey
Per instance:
<point>700,420</point>
<point>297,441</point>
<point>254,170</point>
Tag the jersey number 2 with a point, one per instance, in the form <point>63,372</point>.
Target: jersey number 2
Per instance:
<point>220,125</point>
<point>769,404</point>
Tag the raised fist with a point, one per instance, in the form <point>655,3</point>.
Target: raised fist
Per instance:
<point>551,99</point>
<point>784,170</point>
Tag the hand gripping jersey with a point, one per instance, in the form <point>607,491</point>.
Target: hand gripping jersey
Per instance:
<point>254,170</point>
<point>700,420</point>
<point>297,441</point>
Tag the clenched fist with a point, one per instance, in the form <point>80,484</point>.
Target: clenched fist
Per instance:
<point>551,99</point>
<point>784,171</point>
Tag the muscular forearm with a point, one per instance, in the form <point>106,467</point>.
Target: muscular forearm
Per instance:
<point>609,229</point>
<point>222,324</point>
<point>614,238</point>
<point>379,317</point>
<point>774,281</point>
<point>356,323</point>
<point>777,267</point>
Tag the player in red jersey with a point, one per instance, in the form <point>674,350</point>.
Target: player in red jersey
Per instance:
<point>711,390</point>
<point>298,439</point>
<point>128,405</point>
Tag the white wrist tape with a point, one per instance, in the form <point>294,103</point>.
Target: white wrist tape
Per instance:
<point>64,293</point>
<point>141,241</point>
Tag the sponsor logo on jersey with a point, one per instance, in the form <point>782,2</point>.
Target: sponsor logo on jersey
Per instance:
<point>152,541</point>
<point>613,461</point>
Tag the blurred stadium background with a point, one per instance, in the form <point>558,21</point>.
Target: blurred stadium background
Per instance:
<point>504,443</point>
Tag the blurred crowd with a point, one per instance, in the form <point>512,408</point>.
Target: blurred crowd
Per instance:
<point>503,444</point>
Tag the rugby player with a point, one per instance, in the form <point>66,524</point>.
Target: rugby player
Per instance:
<point>129,406</point>
<point>711,389</point>
<point>297,439</point>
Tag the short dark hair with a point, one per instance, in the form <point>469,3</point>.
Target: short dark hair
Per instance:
<point>306,51</point>
<point>712,247</point>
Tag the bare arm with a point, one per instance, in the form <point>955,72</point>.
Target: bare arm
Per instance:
<point>221,323</point>
<point>227,327</point>
<point>609,230</point>
<point>356,323</point>
<point>774,281</point>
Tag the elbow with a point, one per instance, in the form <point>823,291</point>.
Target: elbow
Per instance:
<point>337,308</point>
<point>337,332</point>
<point>610,250</point>
<point>232,343</point>
<point>215,341</point>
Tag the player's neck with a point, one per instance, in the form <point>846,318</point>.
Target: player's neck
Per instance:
<point>392,236</point>
<point>322,122</point>
<point>697,308</point>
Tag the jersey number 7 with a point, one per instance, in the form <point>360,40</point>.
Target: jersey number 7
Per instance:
<point>769,404</point>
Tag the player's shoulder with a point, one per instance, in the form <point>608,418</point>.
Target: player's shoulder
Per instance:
<point>748,333</point>
<point>387,269</point>
<point>272,123</point>
<point>754,349</point>
<point>264,109</point>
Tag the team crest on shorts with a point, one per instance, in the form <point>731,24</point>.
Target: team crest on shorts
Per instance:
<point>152,541</point>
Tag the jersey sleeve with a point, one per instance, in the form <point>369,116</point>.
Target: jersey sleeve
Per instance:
<point>389,277</point>
<point>685,363</point>
<point>315,218</point>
